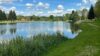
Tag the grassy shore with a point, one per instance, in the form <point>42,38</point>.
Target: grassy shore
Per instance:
<point>20,21</point>
<point>33,46</point>
<point>15,21</point>
<point>87,43</point>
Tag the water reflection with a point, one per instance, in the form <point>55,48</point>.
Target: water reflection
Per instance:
<point>12,28</point>
<point>2,31</point>
<point>29,29</point>
<point>74,27</point>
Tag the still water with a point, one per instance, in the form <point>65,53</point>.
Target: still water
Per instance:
<point>9,31</point>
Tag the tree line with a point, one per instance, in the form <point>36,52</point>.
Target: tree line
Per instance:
<point>10,16</point>
<point>94,12</point>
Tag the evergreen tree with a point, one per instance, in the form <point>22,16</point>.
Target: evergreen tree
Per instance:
<point>12,15</point>
<point>91,14</point>
<point>2,15</point>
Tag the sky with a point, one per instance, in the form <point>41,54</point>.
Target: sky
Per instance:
<point>44,7</point>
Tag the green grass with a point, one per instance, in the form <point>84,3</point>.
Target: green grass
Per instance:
<point>87,43</point>
<point>34,46</point>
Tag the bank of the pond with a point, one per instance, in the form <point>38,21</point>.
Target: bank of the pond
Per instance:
<point>33,46</point>
<point>18,21</point>
<point>87,43</point>
<point>15,21</point>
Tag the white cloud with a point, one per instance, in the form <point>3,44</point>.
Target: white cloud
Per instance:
<point>89,1</point>
<point>93,1</point>
<point>9,1</point>
<point>39,13</point>
<point>60,12</point>
<point>70,10</point>
<point>29,5</point>
<point>83,7</point>
<point>60,7</point>
<point>47,5</point>
<point>85,1</point>
<point>5,1</point>
<point>79,4</point>
<point>12,8</point>
<point>19,12</point>
<point>41,5</point>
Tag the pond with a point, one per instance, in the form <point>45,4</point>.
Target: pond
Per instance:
<point>28,29</point>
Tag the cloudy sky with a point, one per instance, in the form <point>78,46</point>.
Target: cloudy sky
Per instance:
<point>44,7</point>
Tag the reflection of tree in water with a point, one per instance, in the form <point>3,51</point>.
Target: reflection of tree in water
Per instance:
<point>74,17</point>
<point>2,31</point>
<point>74,27</point>
<point>13,28</point>
<point>3,23</point>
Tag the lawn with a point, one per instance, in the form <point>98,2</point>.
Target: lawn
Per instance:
<point>87,43</point>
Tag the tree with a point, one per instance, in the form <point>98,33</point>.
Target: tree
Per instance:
<point>97,9</point>
<point>51,17</point>
<point>34,17</point>
<point>74,16</point>
<point>84,14</point>
<point>2,15</point>
<point>12,15</point>
<point>91,14</point>
<point>66,16</point>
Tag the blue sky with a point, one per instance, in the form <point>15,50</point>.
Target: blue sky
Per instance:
<point>44,7</point>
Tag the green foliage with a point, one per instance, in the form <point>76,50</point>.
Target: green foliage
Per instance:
<point>74,16</point>
<point>91,14</point>
<point>84,14</point>
<point>66,17</point>
<point>97,9</point>
<point>34,46</point>
<point>51,17</point>
<point>2,15</point>
<point>34,18</point>
<point>12,15</point>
